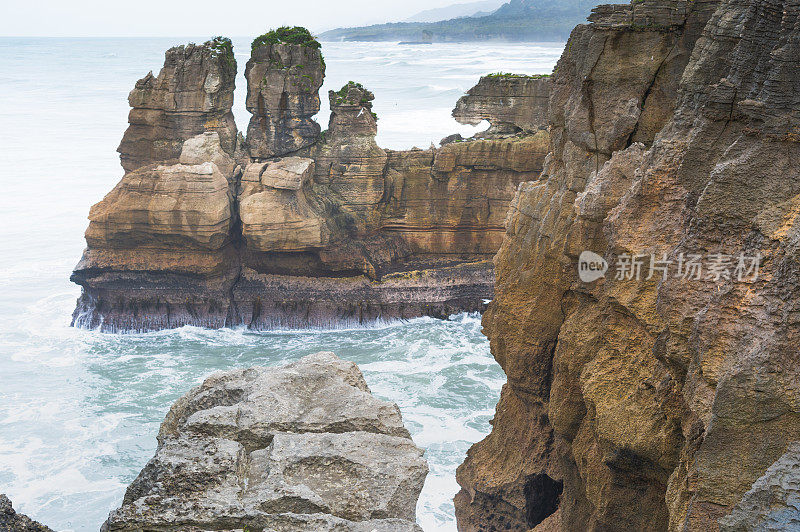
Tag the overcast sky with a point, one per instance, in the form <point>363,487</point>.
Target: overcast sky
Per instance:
<point>196,17</point>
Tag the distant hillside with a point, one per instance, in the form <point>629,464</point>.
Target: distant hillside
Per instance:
<point>484,7</point>
<point>518,20</point>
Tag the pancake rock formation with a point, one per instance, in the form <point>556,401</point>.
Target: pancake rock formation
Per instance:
<point>303,447</point>
<point>292,226</point>
<point>657,400</point>
<point>511,103</point>
<point>192,94</point>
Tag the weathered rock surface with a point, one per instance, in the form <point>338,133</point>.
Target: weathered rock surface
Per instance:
<point>11,521</point>
<point>161,247</point>
<point>283,82</point>
<point>276,216</point>
<point>305,446</point>
<point>652,404</point>
<point>510,103</point>
<point>192,94</point>
<point>297,228</point>
<point>454,200</point>
<point>773,502</point>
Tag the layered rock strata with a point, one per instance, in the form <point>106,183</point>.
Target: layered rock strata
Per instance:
<point>663,401</point>
<point>297,227</point>
<point>283,82</point>
<point>511,103</point>
<point>160,246</point>
<point>192,94</point>
<point>11,521</point>
<point>301,447</point>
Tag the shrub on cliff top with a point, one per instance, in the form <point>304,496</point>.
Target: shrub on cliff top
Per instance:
<point>223,47</point>
<point>287,35</point>
<point>505,75</point>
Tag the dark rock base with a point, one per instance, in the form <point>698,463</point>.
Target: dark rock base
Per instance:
<point>267,301</point>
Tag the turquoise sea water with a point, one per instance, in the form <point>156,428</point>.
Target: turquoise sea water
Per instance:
<point>79,410</point>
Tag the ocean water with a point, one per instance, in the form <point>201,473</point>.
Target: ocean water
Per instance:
<point>79,410</point>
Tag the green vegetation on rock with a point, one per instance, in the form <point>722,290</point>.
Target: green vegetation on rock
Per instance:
<point>286,35</point>
<point>222,47</point>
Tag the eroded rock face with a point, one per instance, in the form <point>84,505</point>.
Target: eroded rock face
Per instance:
<point>454,200</point>
<point>192,94</point>
<point>283,82</point>
<point>297,228</point>
<point>176,220</point>
<point>773,502</point>
<point>11,521</point>
<point>276,216</point>
<point>657,404</point>
<point>305,446</point>
<point>510,103</point>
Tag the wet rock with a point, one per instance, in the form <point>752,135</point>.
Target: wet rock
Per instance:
<point>300,447</point>
<point>11,521</point>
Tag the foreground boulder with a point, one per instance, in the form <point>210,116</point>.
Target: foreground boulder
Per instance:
<point>11,521</point>
<point>301,447</point>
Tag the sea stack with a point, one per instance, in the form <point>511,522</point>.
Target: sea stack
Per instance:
<point>291,227</point>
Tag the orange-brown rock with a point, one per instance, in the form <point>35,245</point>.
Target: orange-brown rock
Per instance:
<point>192,94</point>
<point>276,216</point>
<point>657,403</point>
<point>168,226</point>
<point>299,228</point>
<point>454,200</point>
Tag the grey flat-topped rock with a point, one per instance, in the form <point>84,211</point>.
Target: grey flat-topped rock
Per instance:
<point>305,446</point>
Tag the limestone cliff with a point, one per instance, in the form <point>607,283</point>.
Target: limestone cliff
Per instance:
<point>652,401</point>
<point>294,227</point>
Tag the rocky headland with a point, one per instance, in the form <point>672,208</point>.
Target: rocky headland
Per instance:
<point>660,401</point>
<point>293,226</point>
<point>302,447</point>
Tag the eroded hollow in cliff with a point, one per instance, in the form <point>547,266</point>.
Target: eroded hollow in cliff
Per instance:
<point>542,495</point>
